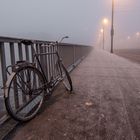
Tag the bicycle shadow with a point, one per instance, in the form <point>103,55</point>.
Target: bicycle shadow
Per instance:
<point>58,94</point>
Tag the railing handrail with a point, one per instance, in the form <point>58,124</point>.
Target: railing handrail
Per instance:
<point>18,40</point>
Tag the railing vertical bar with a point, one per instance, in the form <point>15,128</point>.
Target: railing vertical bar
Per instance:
<point>12,52</point>
<point>37,48</point>
<point>49,60</point>
<point>38,51</point>
<point>57,48</point>
<point>41,57</point>
<point>32,52</point>
<point>56,59</point>
<point>3,62</point>
<point>58,51</point>
<point>20,51</point>
<point>53,61</point>
<point>46,63</point>
<point>27,58</point>
<point>27,52</point>
<point>21,58</point>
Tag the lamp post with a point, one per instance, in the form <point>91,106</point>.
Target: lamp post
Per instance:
<point>104,22</point>
<point>112,27</point>
<point>102,31</point>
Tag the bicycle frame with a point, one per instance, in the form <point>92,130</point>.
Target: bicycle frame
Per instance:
<point>39,63</point>
<point>36,57</point>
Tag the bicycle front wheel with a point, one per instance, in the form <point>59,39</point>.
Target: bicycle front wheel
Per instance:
<point>24,93</point>
<point>66,78</point>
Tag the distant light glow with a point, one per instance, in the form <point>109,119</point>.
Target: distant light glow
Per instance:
<point>138,34</point>
<point>125,5</point>
<point>102,30</point>
<point>128,37</point>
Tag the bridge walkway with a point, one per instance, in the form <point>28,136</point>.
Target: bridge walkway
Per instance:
<point>105,104</point>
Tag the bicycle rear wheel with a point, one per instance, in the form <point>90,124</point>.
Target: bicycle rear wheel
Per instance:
<point>66,78</point>
<point>24,93</point>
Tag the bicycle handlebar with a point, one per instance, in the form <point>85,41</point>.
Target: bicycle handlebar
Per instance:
<point>31,42</point>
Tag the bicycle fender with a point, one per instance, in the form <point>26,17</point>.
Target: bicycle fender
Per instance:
<point>7,84</point>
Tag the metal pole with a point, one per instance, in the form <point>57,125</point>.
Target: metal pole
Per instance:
<point>112,26</point>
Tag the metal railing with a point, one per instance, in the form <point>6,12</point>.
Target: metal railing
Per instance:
<point>11,50</point>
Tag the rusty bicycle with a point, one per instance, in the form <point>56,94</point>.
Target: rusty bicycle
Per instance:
<point>27,85</point>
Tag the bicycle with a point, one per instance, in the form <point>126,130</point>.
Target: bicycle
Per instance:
<point>27,85</point>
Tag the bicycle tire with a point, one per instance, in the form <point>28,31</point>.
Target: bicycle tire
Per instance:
<point>19,88</point>
<point>66,79</point>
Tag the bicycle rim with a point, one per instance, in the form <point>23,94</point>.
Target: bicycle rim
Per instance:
<point>25,94</point>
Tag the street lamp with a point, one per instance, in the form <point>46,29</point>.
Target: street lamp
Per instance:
<point>104,22</point>
<point>112,26</point>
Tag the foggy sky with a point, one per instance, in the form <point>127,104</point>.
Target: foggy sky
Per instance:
<point>79,19</point>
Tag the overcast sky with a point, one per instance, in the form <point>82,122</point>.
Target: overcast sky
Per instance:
<point>80,19</point>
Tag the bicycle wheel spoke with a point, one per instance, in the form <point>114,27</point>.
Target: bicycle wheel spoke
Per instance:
<point>23,81</point>
<point>21,88</point>
<point>30,83</point>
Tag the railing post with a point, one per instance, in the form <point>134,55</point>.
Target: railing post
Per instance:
<point>20,51</point>
<point>12,52</point>
<point>73,55</point>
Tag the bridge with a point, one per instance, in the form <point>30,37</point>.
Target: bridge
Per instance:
<point>105,104</point>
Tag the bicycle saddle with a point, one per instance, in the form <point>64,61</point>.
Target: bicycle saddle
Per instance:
<point>27,42</point>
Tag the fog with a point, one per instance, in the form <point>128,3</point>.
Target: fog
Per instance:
<point>79,19</point>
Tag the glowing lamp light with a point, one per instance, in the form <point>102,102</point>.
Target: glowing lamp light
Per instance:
<point>105,21</point>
